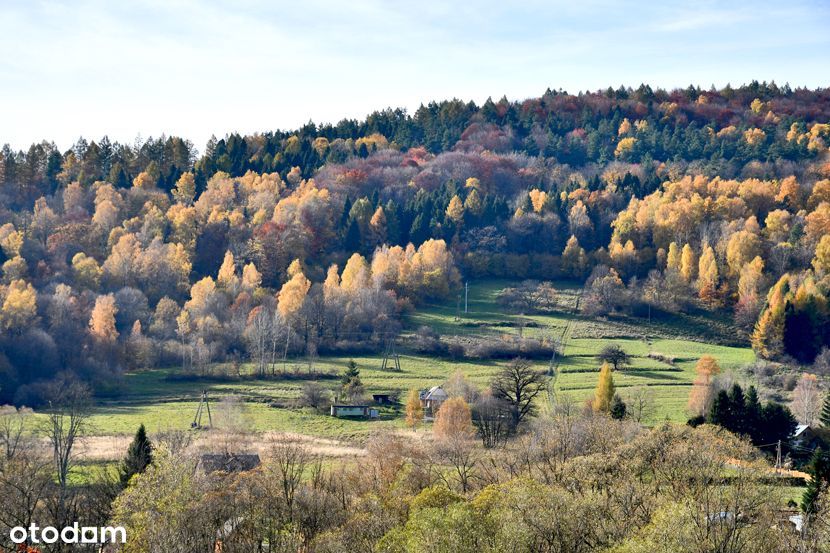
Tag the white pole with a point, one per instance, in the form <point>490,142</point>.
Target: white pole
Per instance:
<point>466,286</point>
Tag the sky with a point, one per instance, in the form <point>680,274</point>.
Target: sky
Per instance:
<point>190,68</point>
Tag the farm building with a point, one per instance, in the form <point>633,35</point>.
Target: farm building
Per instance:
<point>432,399</point>
<point>808,438</point>
<point>357,411</point>
<point>227,462</point>
<point>382,399</point>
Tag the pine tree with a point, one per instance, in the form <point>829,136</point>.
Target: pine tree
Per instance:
<point>824,417</point>
<point>604,393</point>
<point>618,408</point>
<point>139,456</point>
<point>819,471</point>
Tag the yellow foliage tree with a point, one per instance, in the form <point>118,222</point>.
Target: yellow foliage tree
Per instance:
<point>538,198</point>
<point>87,272</point>
<point>624,147</point>
<point>355,275</point>
<point>673,257</point>
<point>707,282</point>
<point>293,293</point>
<point>574,259</point>
<point>185,190</point>
<point>414,409</point>
<point>227,278</point>
<point>702,392</point>
<point>377,227</point>
<point>604,392</point>
<point>455,210</point>
<point>768,336</point>
<point>741,248</point>
<point>102,321</point>
<point>19,306</point>
<point>688,263</point>
<point>821,261</point>
<point>453,421</point>
<point>473,202</point>
<point>251,278</point>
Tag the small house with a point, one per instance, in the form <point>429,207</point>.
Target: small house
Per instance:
<point>382,399</point>
<point>227,462</point>
<point>354,411</point>
<point>432,399</point>
<point>808,438</point>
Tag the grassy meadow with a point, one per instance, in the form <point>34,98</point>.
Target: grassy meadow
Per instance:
<point>663,360</point>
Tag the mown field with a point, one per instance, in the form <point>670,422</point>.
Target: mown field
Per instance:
<point>164,403</point>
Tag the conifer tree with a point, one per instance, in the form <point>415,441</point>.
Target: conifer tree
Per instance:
<point>819,471</point>
<point>604,393</point>
<point>618,408</point>
<point>824,417</point>
<point>139,456</point>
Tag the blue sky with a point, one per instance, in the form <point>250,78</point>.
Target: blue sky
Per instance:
<point>146,67</point>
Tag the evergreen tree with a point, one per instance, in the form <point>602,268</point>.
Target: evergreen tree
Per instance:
<point>352,243</point>
<point>720,411</point>
<point>824,417</point>
<point>819,471</point>
<point>139,456</point>
<point>618,408</point>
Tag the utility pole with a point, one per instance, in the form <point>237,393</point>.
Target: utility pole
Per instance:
<point>466,287</point>
<point>778,456</point>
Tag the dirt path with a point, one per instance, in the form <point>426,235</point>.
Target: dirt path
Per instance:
<point>113,448</point>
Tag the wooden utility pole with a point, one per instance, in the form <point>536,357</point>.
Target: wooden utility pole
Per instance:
<point>778,456</point>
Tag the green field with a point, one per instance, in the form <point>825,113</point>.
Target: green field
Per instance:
<point>161,403</point>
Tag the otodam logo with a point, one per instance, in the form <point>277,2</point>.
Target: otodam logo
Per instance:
<point>69,535</point>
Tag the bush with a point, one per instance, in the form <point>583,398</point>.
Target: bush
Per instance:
<point>509,347</point>
<point>821,365</point>
<point>428,342</point>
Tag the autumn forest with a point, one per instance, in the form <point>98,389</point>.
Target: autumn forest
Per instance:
<point>690,214</point>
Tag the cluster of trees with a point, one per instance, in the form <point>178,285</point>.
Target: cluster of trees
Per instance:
<point>575,483</point>
<point>97,279</point>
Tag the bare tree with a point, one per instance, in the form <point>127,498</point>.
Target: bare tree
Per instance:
<point>13,435</point>
<point>460,454</point>
<point>260,335</point>
<point>529,297</point>
<point>492,418</point>
<point>25,481</point>
<point>69,403</point>
<point>518,384</point>
<point>288,466</point>
<point>232,424</point>
<point>640,403</point>
<point>314,396</point>
<point>807,399</point>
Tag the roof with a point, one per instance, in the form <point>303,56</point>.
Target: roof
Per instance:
<point>436,392</point>
<point>228,462</point>
<point>800,429</point>
<point>342,406</point>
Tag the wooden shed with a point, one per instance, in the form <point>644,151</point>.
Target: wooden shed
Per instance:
<point>353,411</point>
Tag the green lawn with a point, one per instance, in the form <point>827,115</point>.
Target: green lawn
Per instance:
<point>162,403</point>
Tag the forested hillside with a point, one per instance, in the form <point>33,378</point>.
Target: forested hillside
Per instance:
<point>126,256</point>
